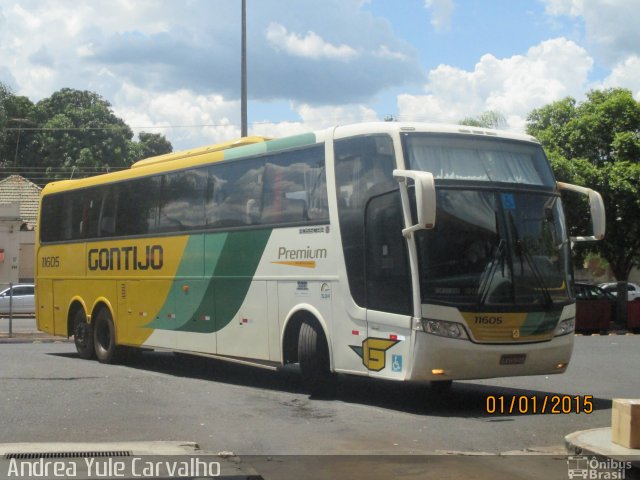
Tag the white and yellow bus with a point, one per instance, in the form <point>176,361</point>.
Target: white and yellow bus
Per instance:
<point>402,251</point>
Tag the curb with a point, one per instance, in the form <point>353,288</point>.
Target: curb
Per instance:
<point>597,441</point>
<point>32,337</point>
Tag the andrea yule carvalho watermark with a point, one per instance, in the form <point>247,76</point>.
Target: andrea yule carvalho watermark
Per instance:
<point>90,468</point>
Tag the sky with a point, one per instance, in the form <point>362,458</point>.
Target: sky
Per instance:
<point>173,66</point>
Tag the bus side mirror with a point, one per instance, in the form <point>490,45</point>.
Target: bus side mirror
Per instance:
<point>425,190</point>
<point>596,205</point>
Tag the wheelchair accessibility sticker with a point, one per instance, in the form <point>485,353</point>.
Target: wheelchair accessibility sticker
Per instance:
<point>396,363</point>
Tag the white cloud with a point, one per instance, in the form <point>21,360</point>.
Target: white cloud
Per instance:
<point>386,52</point>
<point>441,11</point>
<point>163,45</point>
<point>316,118</point>
<point>572,8</point>
<point>190,119</point>
<point>187,118</point>
<point>626,74</point>
<point>513,86</point>
<point>610,24</point>
<point>309,46</point>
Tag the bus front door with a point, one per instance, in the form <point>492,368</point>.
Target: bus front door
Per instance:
<point>388,289</point>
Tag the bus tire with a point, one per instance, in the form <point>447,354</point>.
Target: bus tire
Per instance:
<point>313,355</point>
<point>83,335</point>
<point>104,337</point>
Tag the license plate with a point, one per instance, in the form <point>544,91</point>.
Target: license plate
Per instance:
<point>513,359</point>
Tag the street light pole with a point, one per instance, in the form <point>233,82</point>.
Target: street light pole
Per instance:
<point>243,75</point>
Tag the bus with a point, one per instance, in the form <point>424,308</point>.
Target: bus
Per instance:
<point>402,251</point>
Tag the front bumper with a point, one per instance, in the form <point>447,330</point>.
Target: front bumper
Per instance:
<point>465,360</point>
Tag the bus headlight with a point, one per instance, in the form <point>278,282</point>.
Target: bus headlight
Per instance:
<point>565,327</point>
<point>443,328</point>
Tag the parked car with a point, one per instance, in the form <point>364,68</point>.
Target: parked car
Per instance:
<point>633,290</point>
<point>595,308</point>
<point>22,302</point>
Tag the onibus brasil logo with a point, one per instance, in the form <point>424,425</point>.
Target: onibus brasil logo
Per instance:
<point>582,466</point>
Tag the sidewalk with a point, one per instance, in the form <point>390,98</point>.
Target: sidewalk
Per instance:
<point>24,330</point>
<point>598,442</point>
<point>31,337</point>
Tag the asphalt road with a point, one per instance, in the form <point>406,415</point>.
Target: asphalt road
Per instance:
<point>49,394</point>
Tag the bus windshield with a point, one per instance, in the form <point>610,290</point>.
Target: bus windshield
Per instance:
<point>495,249</point>
<point>450,157</point>
<point>500,239</point>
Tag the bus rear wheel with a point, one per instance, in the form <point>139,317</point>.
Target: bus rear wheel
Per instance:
<point>313,355</point>
<point>104,338</point>
<point>83,335</point>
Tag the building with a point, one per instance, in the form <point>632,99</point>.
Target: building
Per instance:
<point>18,216</point>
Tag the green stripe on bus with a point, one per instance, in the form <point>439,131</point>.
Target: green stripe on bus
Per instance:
<point>191,272</point>
<point>270,146</point>
<point>212,301</point>
<point>290,142</point>
<point>245,151</point>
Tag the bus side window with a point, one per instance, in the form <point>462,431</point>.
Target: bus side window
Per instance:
<point>182,200</point>
<point>234,193</point>
<point>91,204</point>
<point>107,226</point>
<point>138,206</point>
<point>295,187</point>
<point>51,218</point>
<point>364,169</point>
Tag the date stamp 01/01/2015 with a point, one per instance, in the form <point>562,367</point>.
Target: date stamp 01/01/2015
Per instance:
<point>538,404</point>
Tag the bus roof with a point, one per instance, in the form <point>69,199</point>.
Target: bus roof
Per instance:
<point>168,157</point>
<point>256,145</point>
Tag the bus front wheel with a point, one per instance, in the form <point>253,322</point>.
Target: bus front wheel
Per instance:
<point>83,335</point>
<point>313,355</point>
<point>104,337</point>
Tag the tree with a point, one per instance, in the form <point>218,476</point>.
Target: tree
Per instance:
<point>153,144</point>
<point>72,133</point>
<point>4,95</point>
<point>596,143</point>
<point>488,119</point>
<point>79,129</point>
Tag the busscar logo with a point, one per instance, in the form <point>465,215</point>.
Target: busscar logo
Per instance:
<point>126,258</point>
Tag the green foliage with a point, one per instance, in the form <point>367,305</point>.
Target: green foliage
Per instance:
<point>488,119</point>
<point>596,143</point>
<point>153,144</point>
<point>72,133</point>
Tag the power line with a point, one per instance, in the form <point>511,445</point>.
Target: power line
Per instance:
<point>119,127</point>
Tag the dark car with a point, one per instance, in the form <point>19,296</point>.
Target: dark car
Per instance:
<point>595,308</point>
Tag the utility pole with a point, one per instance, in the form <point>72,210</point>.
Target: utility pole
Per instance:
<point>243,75</point>
<point>20,122</point>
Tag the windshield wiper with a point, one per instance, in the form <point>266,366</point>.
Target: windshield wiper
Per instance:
<point>523,252</point>
<point>485,285</point>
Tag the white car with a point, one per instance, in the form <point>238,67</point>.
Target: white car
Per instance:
<point>23,301</point>
<point>633,290</point>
